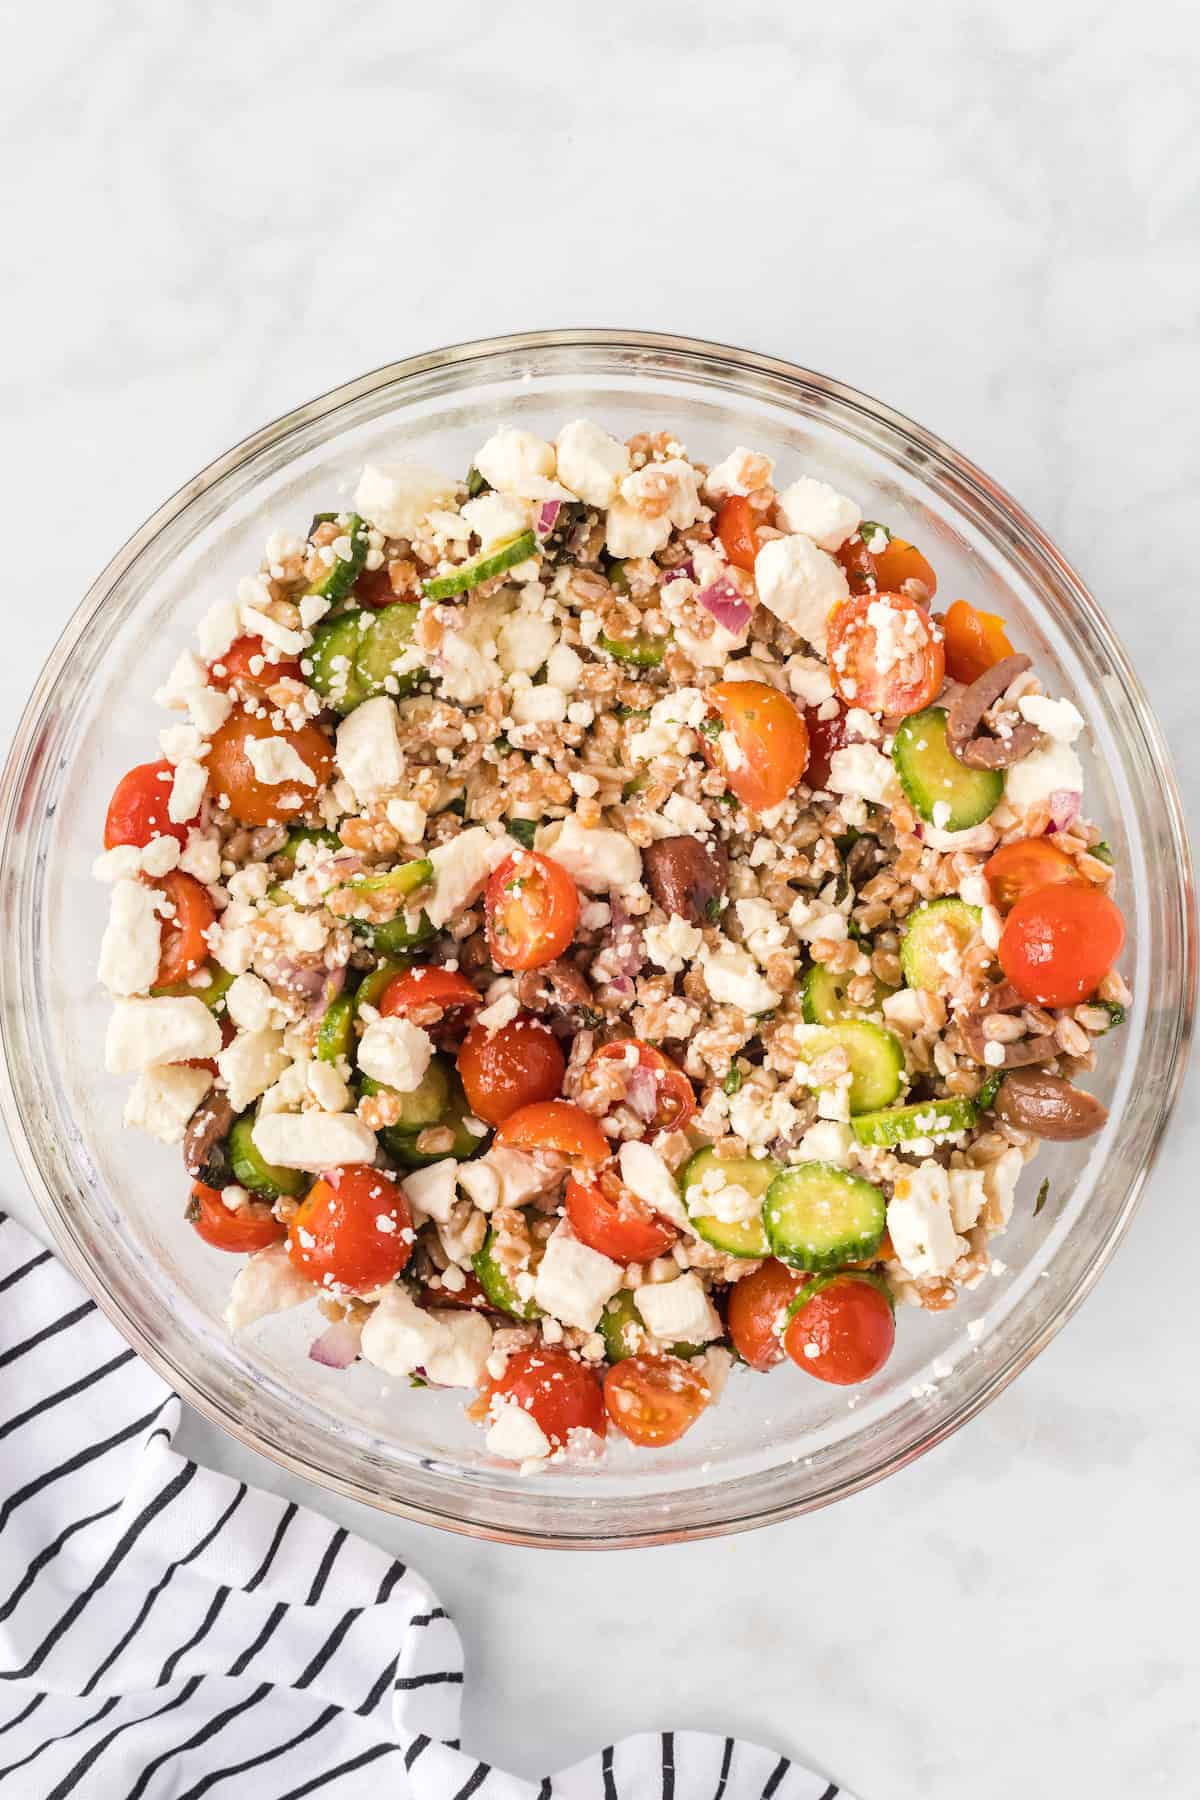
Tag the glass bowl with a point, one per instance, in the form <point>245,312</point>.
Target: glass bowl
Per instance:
<point>114,1200</point>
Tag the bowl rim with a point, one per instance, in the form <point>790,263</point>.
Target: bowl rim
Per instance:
<point>57,1218</point>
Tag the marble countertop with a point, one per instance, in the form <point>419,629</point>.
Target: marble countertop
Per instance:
<point>986,214</point>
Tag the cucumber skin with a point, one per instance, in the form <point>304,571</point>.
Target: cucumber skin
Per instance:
<point>614,1324</point>
<point>911,952</point>
<point>341,577</point>
<point>819,1283</point>
<point>823,1008</point>
<point>402,1145</point>
<point>213,996</point>
<point>419,1115</point>
<point>847,1249</point>
<point>252,1171</point>
<point>498,1288</point>
<point>878,1128</point>
<point>337,637</point>
<point>643,652</point>
<point>366,674</point>
<point>374,983</point>
<point>481,568</point>
<point>876,1086</point>
<point>746,1240</point>
<point>335,1034</point>
<point>980,790</point>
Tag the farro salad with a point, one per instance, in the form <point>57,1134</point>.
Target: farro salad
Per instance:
<point>595,922</point>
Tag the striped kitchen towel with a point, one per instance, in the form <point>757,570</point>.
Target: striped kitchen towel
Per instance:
<point>167,1632</point>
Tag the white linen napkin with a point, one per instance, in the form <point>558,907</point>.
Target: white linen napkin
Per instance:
<point>167,1632</point>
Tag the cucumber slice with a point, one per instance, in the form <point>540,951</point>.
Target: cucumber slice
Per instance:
<point>644,651</point>
<point>624,1331</point>
<point>618,580</point>
<point>252,1170</point>
<point>427,1104</point>
<point>329,664</point>
<point>383,643</point>
<point>496,1285</point>
<point>216,985</point>
<point>307,834</point>
<point>403,881</point>
<point>335,1034</point>
<point>876,1060</point>
<point>935,936</point>
<point>735,1238</point>
<point>398,933</point>
<point>923,1119</point>
<point>402,1145</point>
<point>481,568</point>
<point>819,1216</point>
<point>343,572</point>
<point>371,988</point>
<point>824,997</point>
<point>933,778</point>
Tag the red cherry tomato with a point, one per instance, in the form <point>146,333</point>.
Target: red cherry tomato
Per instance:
<point>735,528</point>
<point>771,739</point>
<point>352,1231</point>
<point>1059,943</point>
<point>757,1312</point>
<point>237,666</point>
<point>653,1400</point>
<point>824,737</point>
<point>558,1393</point>
<point>899,563</point>
<point>606,1217</point>
<point>844,1333</point>
<point>512,1067</point>
<point>252,1227</point>
<point>438,990</point>
<point>1021,868</point>
<point>974,641</point>
<point>532,907</point>
<point>231,773</point>
<point>916,661</point>
<point>137,811</point>
<point>184,948</point>
<point>556,1125</point>
<point>859,565</point>
<point>655,1089</point>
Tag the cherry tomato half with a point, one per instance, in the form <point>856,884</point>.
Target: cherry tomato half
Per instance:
<point>237,665</point>
<point>915,662</point>
<point>184,949</point>
<point>556,1125</point>
<point>352,1231</point>
<point>974,641</point>
<point>606,1217</point>
<point>735,528</point>
<point>231,773</point>
<point>510,1068</point>
<point>1020,868</point>
<point>653,1400</point>
<point>824,737</point>
<point>137,811</point>
<point>531,908</point>
<point>757,1312</point>
<point>655,1089</point>
<point>559,1394</point>
<point>252,1227</point>
<point>771,739</point>
<point>1059,943</point>
<point>844,1333</point>
<point>439,990</point>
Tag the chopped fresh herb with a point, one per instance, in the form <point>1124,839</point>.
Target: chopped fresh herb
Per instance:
<point>1042,1196</point>
<point>712,908</point>
<point>417,1381</point>
<point>458,805</point>
<point>730,800</point>
<point>854,930</point>
<point>475,482</point>
<point>632,712</point>
<point>711,727</point>
<point>987,1094</point>
<point>1103,852</point>
<point>588,1017</point>
<point>869,527</point>
<point>733,1080</point>
<point>1116,1013</point>
<point>846,841</point>
<point>523,830</point>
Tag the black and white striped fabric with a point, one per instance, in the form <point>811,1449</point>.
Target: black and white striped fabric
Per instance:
<point>167,1632</point>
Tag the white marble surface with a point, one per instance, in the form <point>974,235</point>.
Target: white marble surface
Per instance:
<point>986,213</point>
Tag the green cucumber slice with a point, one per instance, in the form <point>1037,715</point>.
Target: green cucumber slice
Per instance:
<point>922,1119</point>
<point>824,997</point>
<point>216,985</point>
<point>391,935</point>
<point>427,1104</point>
<point>499,1289</point>
<point>342,573</point>
<point>819,1216</point>
<point>383,643</point>
<point>308,834</point>
<point>644,651</point>
<point>329,663</point>
<point>402,1145</point>
<point>933,779</point>
<point>371,988</point>
<point>335,1034</point>
<point>624,1330</point>
<point>403,880</point>
<point>481,568</point>
<point>736,1238</point>
<point>935,935</point>
<point>618,580</point>
<point>252,1170</point>
<point>876,1059</point>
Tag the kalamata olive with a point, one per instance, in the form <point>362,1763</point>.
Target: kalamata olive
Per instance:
<point>204,1153</point>
<point>685,877</point>
<point>967,741</point>
<point>1048,1106</point>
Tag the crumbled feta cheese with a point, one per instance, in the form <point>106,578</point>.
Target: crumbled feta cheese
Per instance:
<point>1059,719</point>
<point>121,863</point>
<point>144,1033</point>
<point>966,1197</point>
<point>218,628</point>
<point>738,473</point>
<point>819,512</point>
<point>251,1004</point>
<point>687,815</point>
<point>543,705</point>
<point>273,634</point>
<point>573,1283</point>
<point>461,867</point>
<point>515,1434</point>
<point>368,749</point>
<point>433,1191</point>
<point>632,531</point>
<point>208,709</point>
<point>459,1356</point>
<point>409,819</point>
<point>860,769</point>
<point>1000,1181</point>
<point>563,668</point>
<point>251,1064</point>
<point>670,729</point>
<point>809,680</point>
<point>187,791</point>
<point>733,979</point>
<point>495,518</point>
<point>201,856</point>
<point>511,456</point>
<point>1053,768</point>
<point>679,1312</point>
<point>188,676</point>
<point>919,1222</point>
<point>862,724</point>
<point>398,496</point>
<point>601,860</point>
<point>648,1178</point>
<point>674,945</point>
<point>274,760</point>
<point>904,1008</point>
<point>313,1141</point>
<point>267,1282</point>
<point>327,1088</point>
<point>395,1052</point>
<point>129,949</point>
<point>829,1140</point>
<point>591,462</point>
<point>501,1012</point>
<point>504,1177</point>
<point>159,857</point>
<point>800,585</point>
<point>524,641</point>
<point>162,1101</point>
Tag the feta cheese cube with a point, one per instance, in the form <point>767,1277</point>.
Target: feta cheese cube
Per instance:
<point>461,868</point>
<point>647,1177</point>
<point>733,979</point>
<point>451,1347</point>
<point>596,857</point>
<point>524,641</point>
<point>251,1004</point>
<point>327,1087</point>
<point>397,497</point>
<point>591,462</point>
<point>368,749</point>
<point>188,675</point>
<point>395,1052</point>
<point>1000,1181</point>
<point>862,770</point>
<point>144,1033</point>
<point>504,1177</point>
<point>543,705</point>
<point>162,1101</point>
<point>515,1435</point>
<point>919,1221</point>
<point>1052,768</point>
<point>674,945</point>
<point>433,1190</point>
<point>573,1283</point>
<point>679,1311</point>
<point>739,473</point>
<point>459,1357</point>
<point>830,1141</point>
<point>800,585</point>
<point>208,709</point>
<point>563,668</point>
<point>129,949</point>
<point>966,1197</point>
<point>160,856</point>
<point>495,518</point>
<point>1059,719</point>
<point>267,1282</point>
<point>221,624</point>
<point>313,1141</point>
<point>275,761</point>
<point>511,456</point>
<point>819,512</point>
<point>187,791</point>
<point>809,680</point>
<point>251,1064</point>
<point>409,819</point>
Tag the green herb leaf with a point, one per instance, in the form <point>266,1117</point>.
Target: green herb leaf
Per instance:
<point>1103,852</point>
<point>1042,1196</point>
<point>711,727</point>
<point>712,909</point>
<point>987,1094</point>
<point>1116,1013</point>
<point>523,830</point>
<point>475,482</point>
<point>733,1080</point>
<point>869,527</point>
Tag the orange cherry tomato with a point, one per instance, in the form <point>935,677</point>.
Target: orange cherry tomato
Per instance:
<point>1059,943</point>
<point>352,1231</point>
<point>654,1088</point>
<point>899,563</point>
<point>653,1400</point>
<point>439,990</point>
<point>974,641</point>
<point>735,528</point>
<point>556,1125</point>
<point>824,737</point>
<point>771,739</point>
<point>757,1312</point>
<point>531,908</point>
<point>1021,868</point>
<point>606,1217</point>
<point>137,811</point>
<point>252,1227</point>
<point>559,1393</point>
<point>916,662</point>
<point>231,773</point>
<point>510,1068</point>
<point>184,948</point>
<point>844,1333</point>
<point>237,666</point>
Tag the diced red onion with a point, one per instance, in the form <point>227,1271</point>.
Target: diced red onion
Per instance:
<point>641,1092</point>
<point>547,517</point>
<point>726,605</point>
<point>337,1347</point>
<point>1064,806</point>
<point>684,571</point>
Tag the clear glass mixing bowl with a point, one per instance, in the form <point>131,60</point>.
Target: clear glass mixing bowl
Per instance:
<point>114,1200</point>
